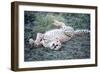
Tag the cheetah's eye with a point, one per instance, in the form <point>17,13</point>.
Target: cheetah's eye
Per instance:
<point>56,45</point>
<point>53,44</point>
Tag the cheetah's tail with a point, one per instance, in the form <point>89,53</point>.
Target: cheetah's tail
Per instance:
<point>82,31</point>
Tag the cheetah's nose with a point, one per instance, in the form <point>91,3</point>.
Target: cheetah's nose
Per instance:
<point>54,46</point>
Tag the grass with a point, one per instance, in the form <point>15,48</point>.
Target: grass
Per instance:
<point>76,48</point>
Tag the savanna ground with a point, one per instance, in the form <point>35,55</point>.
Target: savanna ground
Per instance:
<point>76,48</point>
